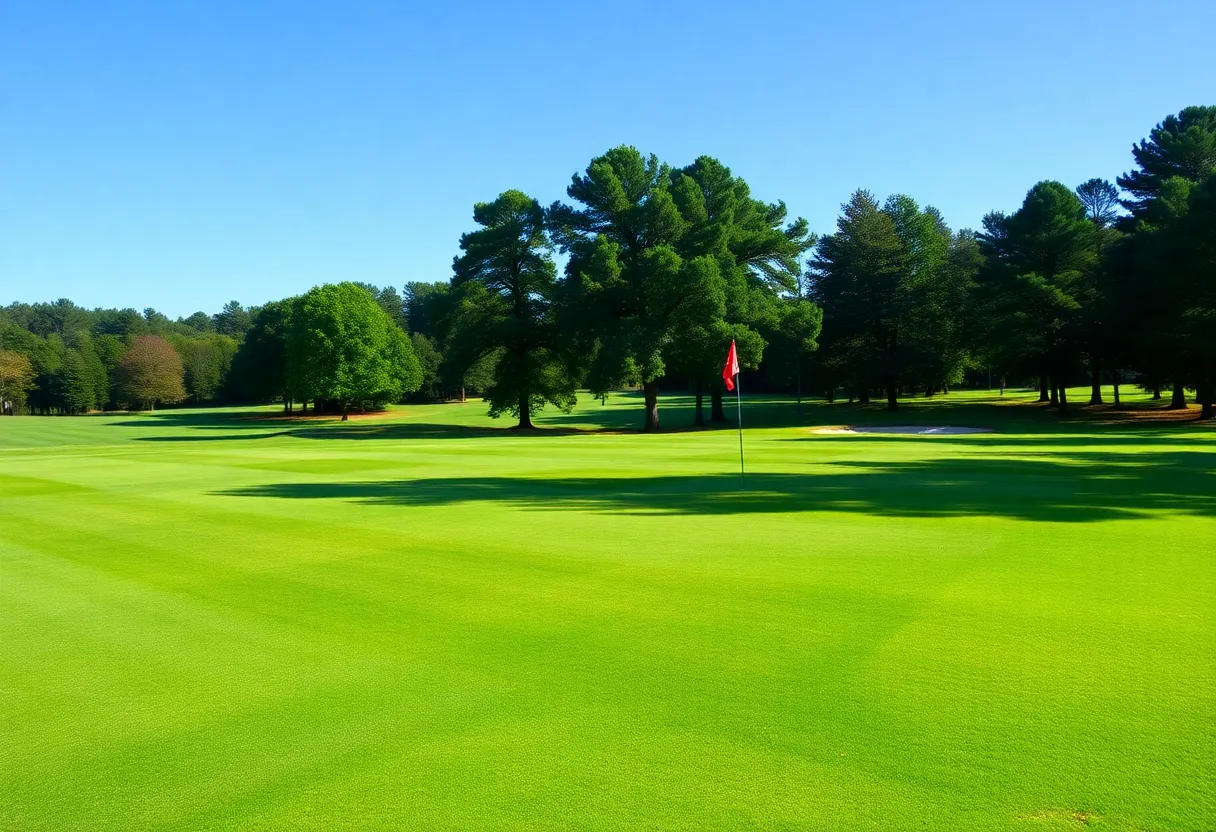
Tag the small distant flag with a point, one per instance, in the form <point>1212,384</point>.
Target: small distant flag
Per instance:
<point>730,374</point>
<point>732,367</point>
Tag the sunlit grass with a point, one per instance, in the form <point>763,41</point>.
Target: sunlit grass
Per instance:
<point>422,620</point>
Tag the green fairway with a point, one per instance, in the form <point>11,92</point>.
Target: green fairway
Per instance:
<point>424,621</point>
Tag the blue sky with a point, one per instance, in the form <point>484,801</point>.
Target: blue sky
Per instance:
<point>181,154</point>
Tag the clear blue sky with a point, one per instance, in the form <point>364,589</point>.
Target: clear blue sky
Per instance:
<point>181,154</point>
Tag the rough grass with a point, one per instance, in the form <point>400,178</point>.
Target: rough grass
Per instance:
<point>211,621</point>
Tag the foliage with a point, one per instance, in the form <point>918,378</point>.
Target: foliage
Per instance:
<point>233,320</point>
<point>666,265</point>
<point>207,361</point>
<point>1040,273</point>
<point>259,367</point>
<point>342,347</point>
<point>507,285</point>
<point>150,371</point>
<point>629,292</point>
<point>16,378</point>
<point>1181,146</point>
<point>1101,201</point>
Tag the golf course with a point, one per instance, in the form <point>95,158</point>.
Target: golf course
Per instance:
<point>227,619</point>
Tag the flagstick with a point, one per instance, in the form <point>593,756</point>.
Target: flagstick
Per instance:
<point>739,403</point>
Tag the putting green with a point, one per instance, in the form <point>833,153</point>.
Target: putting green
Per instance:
<point>212,621</point>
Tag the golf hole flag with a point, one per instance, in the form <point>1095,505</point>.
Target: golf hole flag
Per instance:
<point>730,374</point>
<point>732,367</point>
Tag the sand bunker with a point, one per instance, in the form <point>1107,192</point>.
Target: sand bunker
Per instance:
<point>915,430</point>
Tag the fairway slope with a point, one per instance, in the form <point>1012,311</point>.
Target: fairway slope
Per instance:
<point>426,621</point>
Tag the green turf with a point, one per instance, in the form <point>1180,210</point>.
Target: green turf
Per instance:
<point>213,622</point>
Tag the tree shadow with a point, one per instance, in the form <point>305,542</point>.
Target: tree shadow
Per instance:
<point>396,430</point>
<point>676,409</point>
<point>1080,488</point>
<point>1013,442</point>
<point>214,420</point>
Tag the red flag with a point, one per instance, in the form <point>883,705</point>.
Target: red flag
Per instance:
<point>732,368</point>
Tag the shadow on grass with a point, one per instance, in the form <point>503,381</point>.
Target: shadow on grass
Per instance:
<point>1011,420</point>
<point>403,430</point>
<point>1082,488</point>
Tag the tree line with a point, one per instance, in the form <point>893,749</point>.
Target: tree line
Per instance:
<point>1113,283</point>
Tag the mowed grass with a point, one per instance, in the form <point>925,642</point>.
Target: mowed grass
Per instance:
<point>421,621</point>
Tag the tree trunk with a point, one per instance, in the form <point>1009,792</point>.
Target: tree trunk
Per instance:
<point>1095,384</point>
<point>1178,400</point>
<point>650,390</point>
<point>1156,392</point>
<point>1043,394</point>
<point>716,413</point>
<point>345,416</point>
<point>798,387</point>
<point>525,413</point>
<point>892,396</point>
<point>698,418</point>
<point>1055,392</point>
<point>1115,379</point>
<point>945,389</point>
<point>1205,393</point>
<point>1063,398</point>
<point>863,395</point>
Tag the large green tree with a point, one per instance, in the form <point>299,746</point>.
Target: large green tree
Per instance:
<point>259,368</point>
<point>343,348</point>
<point>207,361</point>
<point>508,282</point>
<point>1178,154</point>
<point>1173,298</point>
<point>758,256</point>
<point>1182,145</point>
<point>1041,264</point>
<point>631,293</point>
<point>856,280</point>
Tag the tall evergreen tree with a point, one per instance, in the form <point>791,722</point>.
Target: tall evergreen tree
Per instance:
<point>632,293</point>
<point>509,259</point>
<point>1041,264</point>
<point>856,280</point>
<point>233,320</point>
<point>1101,201</point>
<point>758,256</point>
<point>1182,145</point>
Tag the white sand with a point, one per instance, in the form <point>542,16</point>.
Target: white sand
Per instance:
<point>916,430</point>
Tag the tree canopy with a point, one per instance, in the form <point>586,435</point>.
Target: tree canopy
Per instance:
<point>664,266</point>
<point>342,347</point>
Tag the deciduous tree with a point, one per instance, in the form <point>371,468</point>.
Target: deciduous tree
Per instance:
<point>343,348</point>
<point>150,371</point>
<point>16,380</point>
